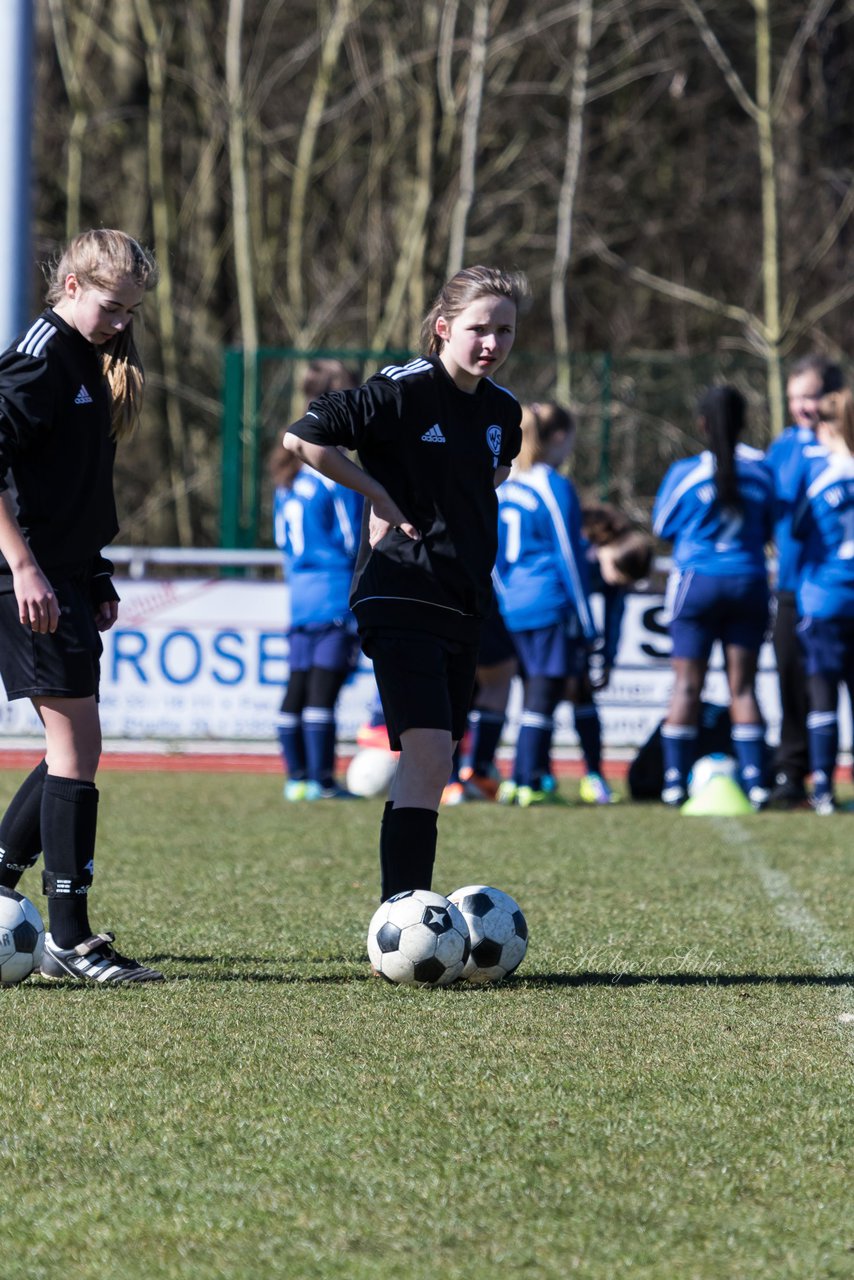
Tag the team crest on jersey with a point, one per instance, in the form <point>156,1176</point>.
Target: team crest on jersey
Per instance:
<point>493,439</point>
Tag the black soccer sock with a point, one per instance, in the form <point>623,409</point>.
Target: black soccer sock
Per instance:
<point>486,730</point>
<point>69,818</point>
<point>384,873</point>
<point>407,849</point>
<point>20,830</point>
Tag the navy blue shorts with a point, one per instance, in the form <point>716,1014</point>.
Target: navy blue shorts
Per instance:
<point>496,642</point>
<point>332,648</point>
<point>828,647</point>
<point>61,664</point>
<point>703,608</point>
<point>556,651</point>
<point>424,681</point>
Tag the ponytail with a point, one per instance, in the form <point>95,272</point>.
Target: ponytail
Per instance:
<point>837,408</point>
<point>540,422</point>
<point>723,410</point>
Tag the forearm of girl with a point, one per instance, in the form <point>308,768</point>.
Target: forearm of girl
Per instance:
<point>37,606</point>
<point>335,465</point>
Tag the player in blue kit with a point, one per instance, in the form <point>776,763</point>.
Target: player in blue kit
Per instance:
<point>717,509</point>
<point>823,521</point>
<point>475,776</point>
<point>618,556</point>
<point>317,526</point>
<point>809,378</point>
<point>434,438</point>
<point>541,584</point>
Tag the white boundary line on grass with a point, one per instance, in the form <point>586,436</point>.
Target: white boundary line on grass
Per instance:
<point>794,913</point>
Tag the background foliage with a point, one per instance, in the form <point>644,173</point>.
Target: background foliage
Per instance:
<point>675,178</point>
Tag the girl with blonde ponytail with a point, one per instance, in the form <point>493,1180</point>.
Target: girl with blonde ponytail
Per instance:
<point>70,386</point>
<point>98,260</point>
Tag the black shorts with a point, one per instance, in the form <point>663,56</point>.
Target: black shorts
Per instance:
<point>64,664</point>
<point>425,681</point>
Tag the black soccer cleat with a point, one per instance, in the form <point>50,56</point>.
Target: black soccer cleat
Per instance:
<point>94,960</point>
<point>787,794</point>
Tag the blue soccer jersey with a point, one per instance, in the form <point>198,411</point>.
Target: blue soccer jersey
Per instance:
<point>785,460</point>
<point>824,524</point>
<point>705,537</point>
<point>540,572</point>
<point>316,525</point>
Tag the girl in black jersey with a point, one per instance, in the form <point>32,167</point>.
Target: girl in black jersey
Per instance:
<point>70,386</point>
<point>434,438</point>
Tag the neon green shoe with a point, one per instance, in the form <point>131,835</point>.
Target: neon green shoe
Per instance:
<point>506,793</point>
<point>527,796</point>
<point>593,789</point>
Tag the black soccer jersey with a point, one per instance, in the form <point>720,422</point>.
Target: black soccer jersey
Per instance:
<point>56,451</point>
<point>435,450</point>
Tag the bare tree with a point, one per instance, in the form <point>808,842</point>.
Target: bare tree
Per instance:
<point>332,40</point>
<point>155,36</point>
<point>566,199</point>
<point>469,139</point>
<point>73,54</point>
<point>773,330</point>
<point>675,178</point>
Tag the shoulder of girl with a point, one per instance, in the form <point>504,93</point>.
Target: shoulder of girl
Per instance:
<point>403,374</point>
<point>505,395</point>
<point>35,345</point>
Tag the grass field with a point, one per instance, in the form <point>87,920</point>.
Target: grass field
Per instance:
<point>663,1092</point>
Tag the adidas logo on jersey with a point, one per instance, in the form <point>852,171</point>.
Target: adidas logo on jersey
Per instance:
<point>82,397</point>
<point>434,435</point>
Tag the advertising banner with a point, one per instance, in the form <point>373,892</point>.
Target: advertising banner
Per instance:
<point>206,658</point>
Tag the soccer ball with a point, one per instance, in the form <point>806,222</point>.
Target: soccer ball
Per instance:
<point>21,937</point>
<point>497,929</point>
<point>370,772</point>
<point>418,937</point>
<point>716,765</point>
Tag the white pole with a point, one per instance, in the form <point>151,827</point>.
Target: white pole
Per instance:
<point>16,29</point>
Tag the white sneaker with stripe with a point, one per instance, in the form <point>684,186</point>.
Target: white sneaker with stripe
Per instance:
<point>94,960</point>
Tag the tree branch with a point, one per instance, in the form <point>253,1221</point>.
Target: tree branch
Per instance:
<point>468,143</point>
<point>566,197</point>
<point>720,58</point>
<point>832,230</point>
<point>829,303</point>
<point>681,292</point>
<point>811,19</point>
<point>332,40</point>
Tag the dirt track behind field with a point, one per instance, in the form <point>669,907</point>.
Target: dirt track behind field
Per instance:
<point>266,762</point>
<point>231,762</point>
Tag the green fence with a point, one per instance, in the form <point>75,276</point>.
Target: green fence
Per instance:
<point>635,415</point>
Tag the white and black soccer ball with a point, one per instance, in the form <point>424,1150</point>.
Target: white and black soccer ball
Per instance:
<point>371,771</point>
<point>21,937</point>
<point>418,937</point>
<point>716,765</point>
<point>498,932</point>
